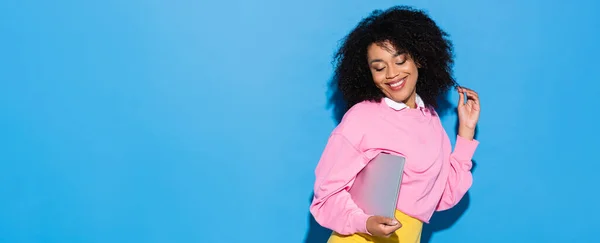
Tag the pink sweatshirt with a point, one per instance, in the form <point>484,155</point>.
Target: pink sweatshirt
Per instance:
<point>435,177</point>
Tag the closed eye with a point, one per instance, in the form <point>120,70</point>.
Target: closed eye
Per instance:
<point>379,69</point>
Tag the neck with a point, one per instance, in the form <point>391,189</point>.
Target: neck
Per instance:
<point>411,101</point>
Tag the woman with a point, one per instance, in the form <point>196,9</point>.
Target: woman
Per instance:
<point>391,69</point>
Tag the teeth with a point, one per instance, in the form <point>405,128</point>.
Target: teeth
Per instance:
<point>397,83</point>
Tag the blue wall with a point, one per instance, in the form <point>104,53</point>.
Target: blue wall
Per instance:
<point>179,121</point>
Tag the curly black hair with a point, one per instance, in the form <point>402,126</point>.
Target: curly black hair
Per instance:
<point>408,30</point>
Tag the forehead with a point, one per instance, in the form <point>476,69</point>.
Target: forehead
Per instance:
<point>382,50</point>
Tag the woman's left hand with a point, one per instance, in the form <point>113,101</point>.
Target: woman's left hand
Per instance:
<point>468,112</point>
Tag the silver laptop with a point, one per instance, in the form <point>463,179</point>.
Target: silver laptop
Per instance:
<point>377,186</point>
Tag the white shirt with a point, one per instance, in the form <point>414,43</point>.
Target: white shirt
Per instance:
<point>399,105</point>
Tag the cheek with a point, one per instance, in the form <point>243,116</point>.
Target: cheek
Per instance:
<point>377,78</point>
<point>414,74</point>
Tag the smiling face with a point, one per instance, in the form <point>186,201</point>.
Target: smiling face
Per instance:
<point>394,73</point>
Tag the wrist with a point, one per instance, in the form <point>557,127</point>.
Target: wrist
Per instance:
<point>466,132</point>
<point>360,223</point>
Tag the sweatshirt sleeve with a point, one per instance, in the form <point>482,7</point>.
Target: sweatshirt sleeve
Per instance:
<point>332,207</point>
<point>460,178</point>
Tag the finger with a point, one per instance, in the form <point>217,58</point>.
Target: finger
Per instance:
<point>473,104</point>
<point>388,221</point>
<point>470,103</point>
<point>467,89</point>
<point>381,220</point>
<point>472,95</point>
<point>388,230</point>
<point>461,97</point>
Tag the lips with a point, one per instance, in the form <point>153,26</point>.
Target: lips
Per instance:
<point>397,85</point>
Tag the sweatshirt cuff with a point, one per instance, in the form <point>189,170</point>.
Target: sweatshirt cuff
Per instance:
<point>465,148</point>
<point>359,222</point>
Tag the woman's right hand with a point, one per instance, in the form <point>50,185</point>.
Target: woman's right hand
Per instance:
<point>382,226</point>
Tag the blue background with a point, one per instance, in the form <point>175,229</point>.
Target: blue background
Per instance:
<point>187,121</point>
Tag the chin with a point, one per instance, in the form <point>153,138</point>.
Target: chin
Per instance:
<point>399,96</point>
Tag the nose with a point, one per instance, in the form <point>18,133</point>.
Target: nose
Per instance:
<point>391,72</point>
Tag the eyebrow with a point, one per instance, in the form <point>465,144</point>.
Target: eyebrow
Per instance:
<point>379,60</point>
<point>375,60</point>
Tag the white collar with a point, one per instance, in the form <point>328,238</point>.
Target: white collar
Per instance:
<point>399,105</point>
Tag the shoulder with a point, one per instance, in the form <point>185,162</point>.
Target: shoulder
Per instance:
<point>358,120</point>
<point>433,111</point>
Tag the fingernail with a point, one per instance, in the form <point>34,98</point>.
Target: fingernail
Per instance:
<point>394,222</point>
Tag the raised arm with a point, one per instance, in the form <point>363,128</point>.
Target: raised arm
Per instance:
<point>460,178</point>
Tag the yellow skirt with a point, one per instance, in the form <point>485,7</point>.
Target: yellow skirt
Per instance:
<point>410,232</point>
